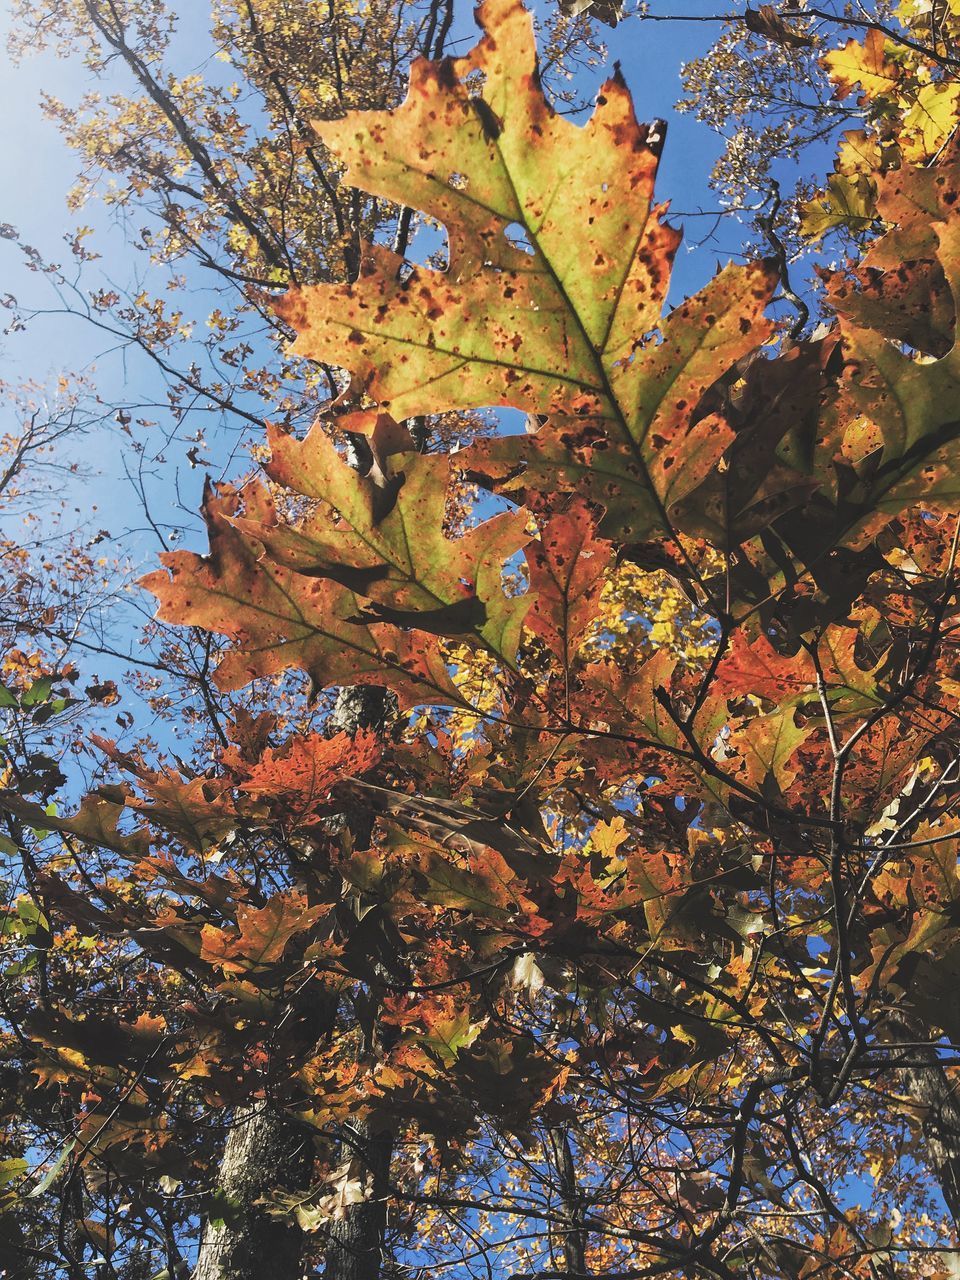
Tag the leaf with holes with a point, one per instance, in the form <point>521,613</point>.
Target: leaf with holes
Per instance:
<point>567,323</point>
<point>276,618</point>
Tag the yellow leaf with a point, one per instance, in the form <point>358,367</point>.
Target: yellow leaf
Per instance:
<point>930,120</point>
<point>864,64</point>
<point>607,837</point>
<point>848,202</point>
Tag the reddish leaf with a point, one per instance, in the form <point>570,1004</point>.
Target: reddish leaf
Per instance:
<point>568,567</point>
<point>302,773</point>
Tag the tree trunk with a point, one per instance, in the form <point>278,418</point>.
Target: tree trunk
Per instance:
<point>935,1102</point>
<point>362,706</point>
<point>575,1236</point>
<point>355,1243</point>
<point>264,1151</point>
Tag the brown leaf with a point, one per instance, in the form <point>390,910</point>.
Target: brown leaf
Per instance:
<point>765,21</point>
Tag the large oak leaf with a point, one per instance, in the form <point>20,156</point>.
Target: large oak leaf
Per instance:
<point>382,536</point>
<point>278,619</point>
<point>565,324</point>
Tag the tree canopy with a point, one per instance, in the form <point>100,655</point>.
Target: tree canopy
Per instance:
<point>527,852</point>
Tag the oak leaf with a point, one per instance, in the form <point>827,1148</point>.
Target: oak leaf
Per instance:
<point>767,746</point>
<point>278,619</point>
<point>568,567</point>
<point>878,437</point>
<point>865,64</point>
<point>566,323</point>
<point>849,201</point>
<point>97,822</point>
<point>262,932</point>
<point>899,288</point>
<point>896,422</point>
<point>385,541</point>
<point>449,1034</point>
<point>754,667</point>
<point>302,773</point>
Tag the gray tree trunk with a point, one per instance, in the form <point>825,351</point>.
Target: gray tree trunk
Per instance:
<point>575,1235</point>
<point>264,1151</point>
<point>937,1107</point>
<point>355,1243</point>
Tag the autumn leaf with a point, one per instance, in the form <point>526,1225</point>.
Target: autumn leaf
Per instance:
<point>899,288</point>
<point>194,808</point>
<point>632,700</point>
<point>263,933</point>
<point>909,406</point>
<point>879,434</point>
<point>765,21</point>
<point>607,837</point>
<point>766,746</point>
<point>849,201</point>
<point>661,887</point>
<point>778,403</point>
<point>865,64</point>
<point>567,323</point>
<point>80,1042</point>
<point>278,619</point>
<point>483,886</point>
<point>197,809</point>
<point>301,774</point>
<point>385,541</point>
<point>465,830</point>
<point>568,567</point>
<point>930,120</point>
<point>450,1033</point>
<point>97,822</point>
<point>754,667</point>
<point>348,1185</point>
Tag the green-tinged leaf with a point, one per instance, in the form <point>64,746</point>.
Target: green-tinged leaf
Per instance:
<point>384,540</point>
<point>11,1170</point>
<point>32,918</point>
<point>52,1173</point>
<point>849,201</point>
<point>765,746</point>
<point>449,1035</point>
<point>568,325</point>
<point>38,692</point>
<point>278,619</point>
<point>933,115</point>
<point>96,822</point>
